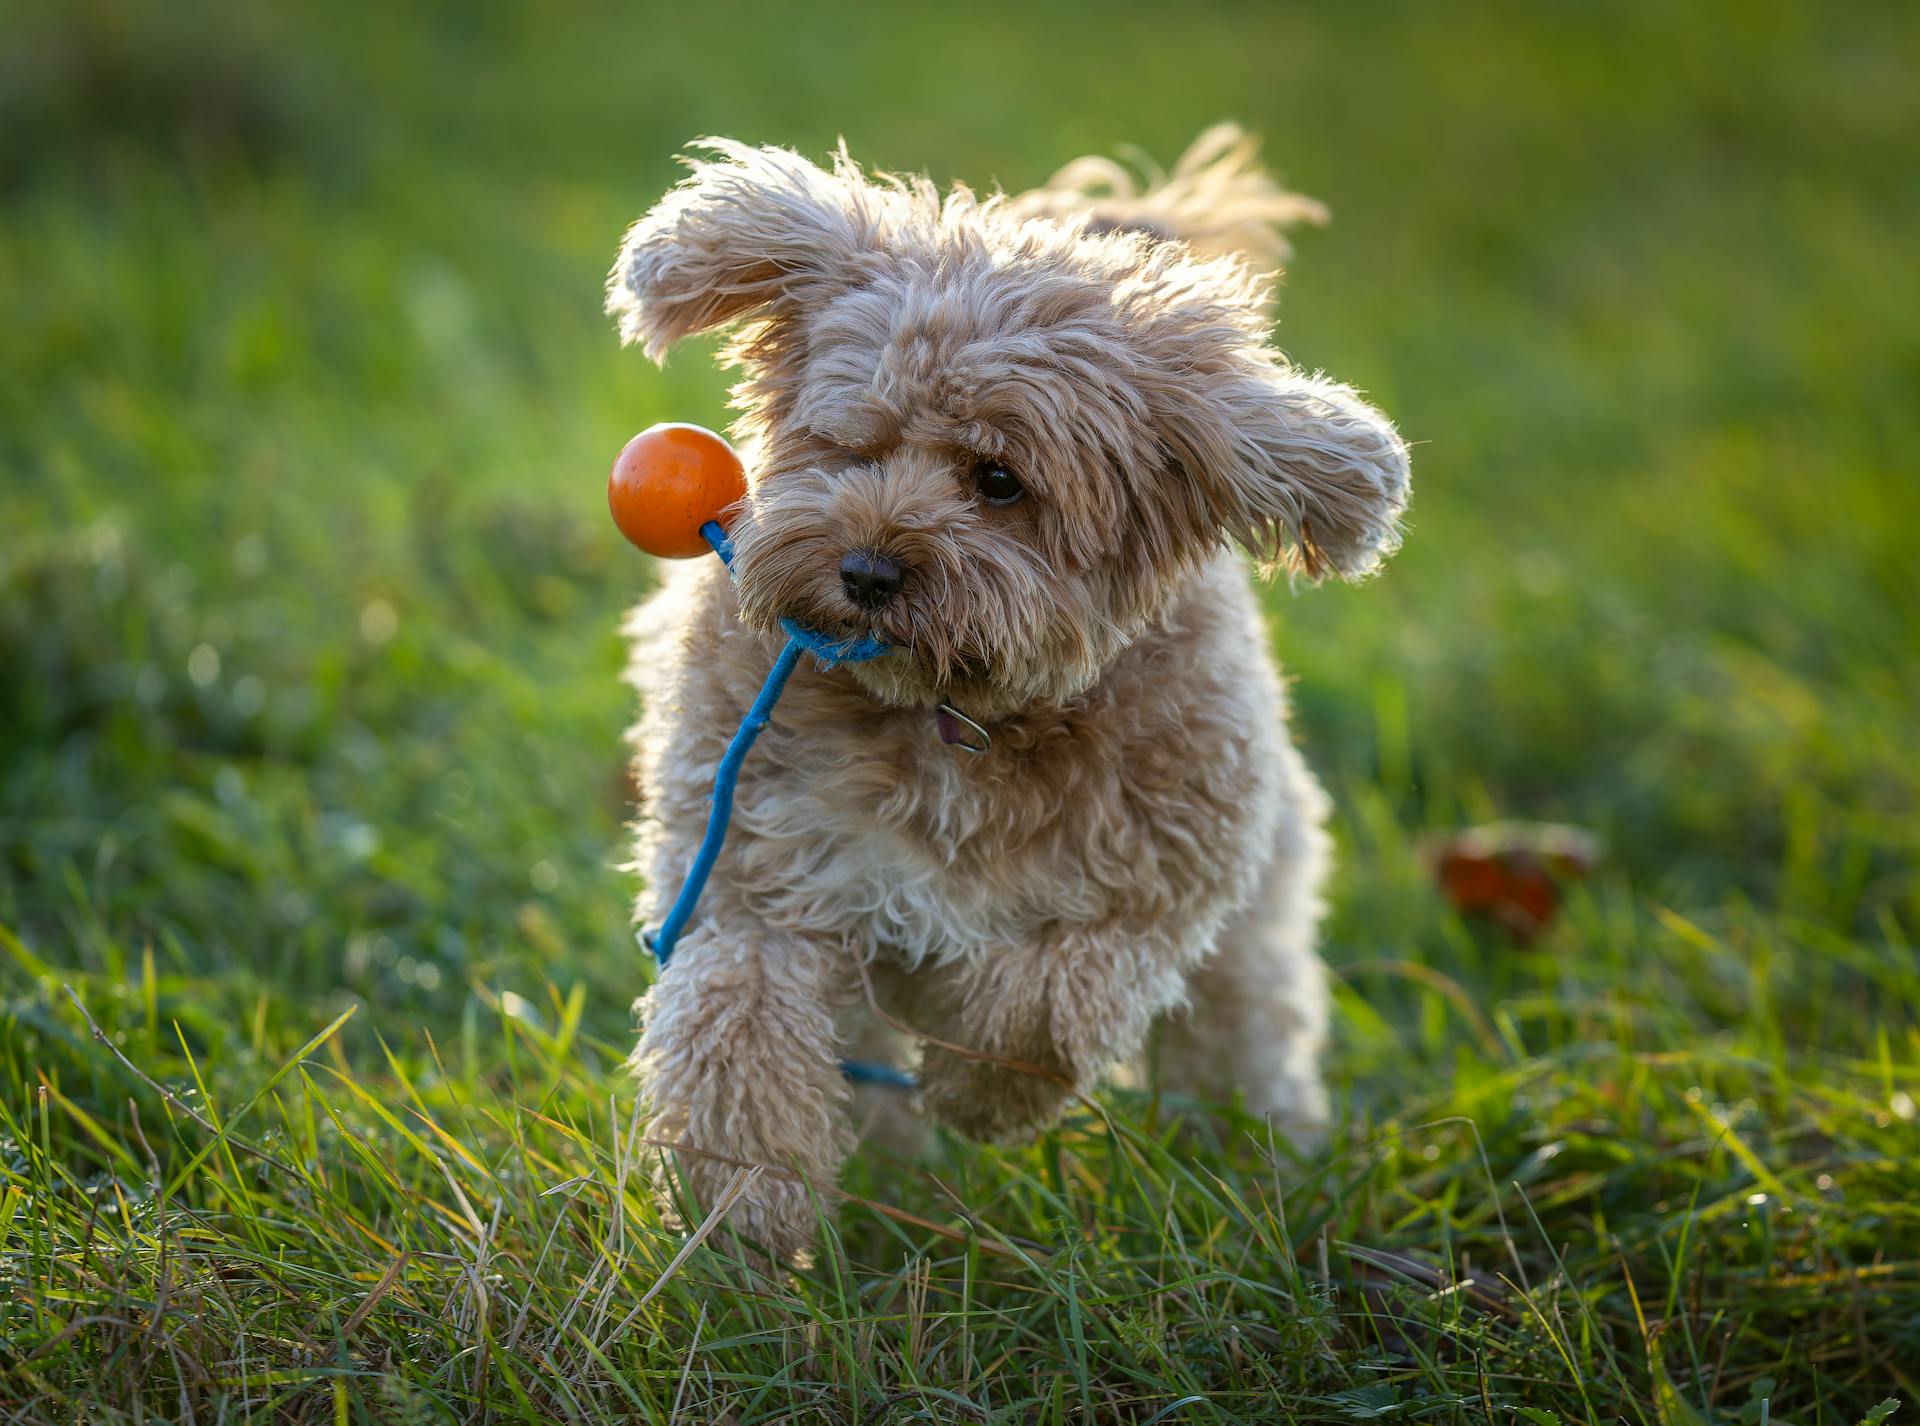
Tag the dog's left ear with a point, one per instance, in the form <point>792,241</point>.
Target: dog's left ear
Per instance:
<point>1297,468</point>
<point>748,233</point>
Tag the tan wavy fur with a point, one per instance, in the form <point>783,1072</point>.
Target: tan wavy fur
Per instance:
<point>1143,842</point>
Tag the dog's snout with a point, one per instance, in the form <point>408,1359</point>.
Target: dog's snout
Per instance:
<point>869,578</point>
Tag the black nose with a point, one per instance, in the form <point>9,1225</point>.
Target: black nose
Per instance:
<point>870,579</point>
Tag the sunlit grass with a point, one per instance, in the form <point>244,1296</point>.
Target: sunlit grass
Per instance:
<point>1604,1204</point>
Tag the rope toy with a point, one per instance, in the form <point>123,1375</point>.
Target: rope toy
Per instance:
<point>668,490</point>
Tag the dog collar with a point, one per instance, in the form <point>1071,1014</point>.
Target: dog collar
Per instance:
<point>957,729</point>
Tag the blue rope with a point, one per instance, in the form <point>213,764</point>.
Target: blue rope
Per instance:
<point>828,651</point>
<point>662,942</point>
<point>886,1076</point>
<point>800,640</point>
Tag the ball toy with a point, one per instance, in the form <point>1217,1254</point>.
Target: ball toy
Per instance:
<point>670,480</point>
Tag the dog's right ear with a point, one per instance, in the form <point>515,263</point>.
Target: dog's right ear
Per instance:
<point>748,233</point>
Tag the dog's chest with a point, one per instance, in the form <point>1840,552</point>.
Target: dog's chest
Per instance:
<point>914,869</point>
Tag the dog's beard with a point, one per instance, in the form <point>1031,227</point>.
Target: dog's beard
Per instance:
<point>980,622</point>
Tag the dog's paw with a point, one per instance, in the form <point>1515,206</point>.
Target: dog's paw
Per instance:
<point>772,1214</point>
<point>986,1100</point>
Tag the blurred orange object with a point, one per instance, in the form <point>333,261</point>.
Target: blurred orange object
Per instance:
<point>670,480</point>
<point>1512,872</point>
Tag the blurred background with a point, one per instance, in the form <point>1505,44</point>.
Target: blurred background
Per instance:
<point>308,594</point>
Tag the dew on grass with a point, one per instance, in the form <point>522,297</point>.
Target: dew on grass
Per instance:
<point>249,556</point>
<point>359,840</point>
<point>229,786</point>
<point>378,622</point>
<point>203,665</point>
<point>249,695</point>
<point>414,971</point>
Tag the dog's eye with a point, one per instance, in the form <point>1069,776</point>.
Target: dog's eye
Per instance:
<point>997,484</point>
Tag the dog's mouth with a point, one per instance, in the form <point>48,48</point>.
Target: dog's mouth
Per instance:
<point>957,687</point>
<point>935,656</point>
<point>922,648</point>
<point>838,630</point>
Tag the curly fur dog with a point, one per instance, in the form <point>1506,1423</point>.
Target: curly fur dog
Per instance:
<point>1015,438</point>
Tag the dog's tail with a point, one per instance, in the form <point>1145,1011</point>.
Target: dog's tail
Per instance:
<point>1217,198</point>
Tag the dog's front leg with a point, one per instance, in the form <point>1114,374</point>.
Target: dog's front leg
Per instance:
<point>1061,1009</point>
<point>737,1064</point>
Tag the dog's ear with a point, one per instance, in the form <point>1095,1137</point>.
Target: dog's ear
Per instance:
<point>1297,468</point>
<point>746,233</point>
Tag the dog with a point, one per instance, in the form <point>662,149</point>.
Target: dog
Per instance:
<point>1017,439</point>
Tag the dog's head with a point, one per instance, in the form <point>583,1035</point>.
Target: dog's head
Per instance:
<point>999,443</point>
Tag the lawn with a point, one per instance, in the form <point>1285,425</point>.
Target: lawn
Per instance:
<point>315,966</point>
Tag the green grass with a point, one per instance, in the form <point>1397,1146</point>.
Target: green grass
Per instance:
<point>308,706</point>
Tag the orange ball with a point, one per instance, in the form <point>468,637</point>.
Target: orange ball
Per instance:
<point>669,481</point>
